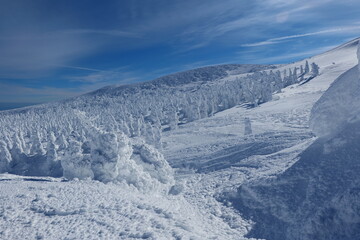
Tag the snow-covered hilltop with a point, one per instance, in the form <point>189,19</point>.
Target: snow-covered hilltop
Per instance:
<point>221,152</point>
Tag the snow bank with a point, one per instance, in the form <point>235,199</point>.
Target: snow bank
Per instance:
<point>318,197</point>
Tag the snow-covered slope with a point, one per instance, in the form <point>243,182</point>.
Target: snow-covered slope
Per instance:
<point>317,197</point>
<point>219,145</point>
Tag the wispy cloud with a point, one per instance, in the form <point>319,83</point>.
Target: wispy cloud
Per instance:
<point>281,39</point>
<point>301,54</point>
<point>32,54</point>
<point>121,75</point>
<point>15,93</point>
<point>79,68</point>
<point>113,32</point>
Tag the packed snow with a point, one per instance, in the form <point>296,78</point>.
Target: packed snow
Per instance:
<point>223,152</point>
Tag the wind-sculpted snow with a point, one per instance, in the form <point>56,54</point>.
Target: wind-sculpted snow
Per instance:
<point>339,105</point>
<point>318,197</point>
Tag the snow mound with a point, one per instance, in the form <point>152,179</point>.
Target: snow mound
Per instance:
<point>339,105</point>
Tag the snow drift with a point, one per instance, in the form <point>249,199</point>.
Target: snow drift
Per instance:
<point>318,197</point>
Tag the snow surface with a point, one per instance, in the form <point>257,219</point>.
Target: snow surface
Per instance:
<point>218,165</point>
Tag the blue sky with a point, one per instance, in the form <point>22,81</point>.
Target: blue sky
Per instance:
<point>50,50</point>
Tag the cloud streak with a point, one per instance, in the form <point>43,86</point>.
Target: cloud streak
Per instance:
<point>81,68</point>
<point>114,32</point>
<point>34,95</point>
<point>281,39</point>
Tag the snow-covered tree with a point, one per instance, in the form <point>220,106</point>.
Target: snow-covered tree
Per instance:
<point>247,126</point>
<point>73,163</point>
<point>314,69</point>
<point>307,68</point>
<point>295,76</point>
<point>37,147</point>
<point>5,157</point>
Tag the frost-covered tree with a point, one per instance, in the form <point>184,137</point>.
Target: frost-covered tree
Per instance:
<point>5,157</point>
<point>109,153</point>
<point>37,147</point>
<point>247,126</point>
<point>51,153</point>
<point>73,163</point>
<point>307,69</point>
<point>289,80</point>
<point>314,69</point>
<point>295,76</point>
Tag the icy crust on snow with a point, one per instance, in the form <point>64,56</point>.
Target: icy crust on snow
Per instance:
<point>318,197</point>
<point>76,149</point>
<point>339,105</point>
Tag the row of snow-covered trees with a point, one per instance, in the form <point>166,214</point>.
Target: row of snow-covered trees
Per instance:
<point>57,141</point>
<point>300,75</point>
<point>147,110</point>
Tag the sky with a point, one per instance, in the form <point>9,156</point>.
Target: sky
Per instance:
<point>51,50</point>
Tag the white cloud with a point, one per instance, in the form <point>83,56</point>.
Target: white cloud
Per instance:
<point>113,32</point>
<point>302,54</point>
<point>121,75</point>
<point>281,39</point>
